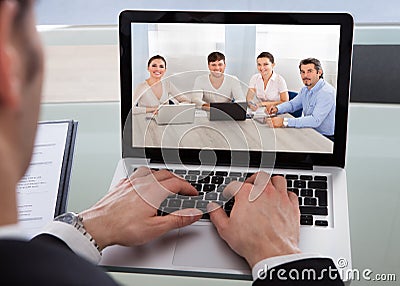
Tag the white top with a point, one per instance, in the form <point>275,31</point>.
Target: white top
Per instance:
<point>144,97</point>
<point>275,86</point>
<point>204,92</point>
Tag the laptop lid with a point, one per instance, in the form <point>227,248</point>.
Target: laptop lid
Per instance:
<point>175,114</point>
<point>186,38</point>
<point>228,111</point>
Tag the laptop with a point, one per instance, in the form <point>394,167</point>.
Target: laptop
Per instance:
<point>232,150</point>
<point>228,111</point>
<point>175,114</point>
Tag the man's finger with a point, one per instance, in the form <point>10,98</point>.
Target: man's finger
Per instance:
<point>179,219</point>
<point>279,183</point>
<point>260,181</point>
<point>140,172</point>
<point>218,217</point>
<point>232,189</point>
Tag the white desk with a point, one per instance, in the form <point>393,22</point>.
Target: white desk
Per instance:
<point>227,135</point>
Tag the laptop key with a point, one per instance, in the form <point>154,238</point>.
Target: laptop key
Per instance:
<point>164,203</point>
<point>310,201</point>
<point>321,178</point>
<point>208,187</point>
<point>201,204</point>
<point>188,204</point>
<point>318,185</point>
<point>207,173</point>
<point>306,220</point>
<point>306,177</point>
<point>300,201</point>
<point>322,196</point>
<point>221,173</point>
<point>193,172</point>
<point>220,188</point>
<point>197,186</point>
<point>306,193</point>
<point>191,178</point>
<point>217,180</point>
<point>211,196</point>
<point>321,222</point>
<point>174,203</point>
<point>289,183</point>
<point>313,210</point>
<point>291,177</point>
<point>299,184</point>
<point>235,174</point>
<point>180,172</point>
<point>203,180</point>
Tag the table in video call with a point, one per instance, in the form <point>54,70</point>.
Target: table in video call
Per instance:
<point>228,135</point>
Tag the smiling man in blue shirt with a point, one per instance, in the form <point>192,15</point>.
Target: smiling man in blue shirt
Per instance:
<point>316,98</point>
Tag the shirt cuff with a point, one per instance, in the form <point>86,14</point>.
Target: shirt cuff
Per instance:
<point>74,239</point>
<point>272,262</point>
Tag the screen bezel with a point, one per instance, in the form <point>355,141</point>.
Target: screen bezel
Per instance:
<point>283,159</point>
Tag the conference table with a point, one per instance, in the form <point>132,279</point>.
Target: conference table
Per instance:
<point>249,134</point>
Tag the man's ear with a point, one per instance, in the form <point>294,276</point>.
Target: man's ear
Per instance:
<point>10,96</point>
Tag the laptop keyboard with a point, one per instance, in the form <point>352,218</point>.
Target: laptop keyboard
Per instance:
<point>311,191</point>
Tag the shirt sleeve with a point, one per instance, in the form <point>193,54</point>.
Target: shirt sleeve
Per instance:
<point>237,91</point>
<point>282,87</point>
<point>74,239</point>
<point>253,81</point>
<point>197,93</point>
<point>321,110</point>
<point>272,262</point>
<point>291,105</point>
<point>137,94</point>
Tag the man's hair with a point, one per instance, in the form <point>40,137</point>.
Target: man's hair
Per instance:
<point>157,57</point>
<point>266,55</point>
<point>215,56</point>
<point>317,64</point>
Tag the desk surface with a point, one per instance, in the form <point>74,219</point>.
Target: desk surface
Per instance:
<point>226,135</point>
<point>373,162</point>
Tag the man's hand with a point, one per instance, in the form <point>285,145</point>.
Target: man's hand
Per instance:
<point>271,109</point>
<point>127,215</point>
<point>263,225</point>
<point>276,122</point>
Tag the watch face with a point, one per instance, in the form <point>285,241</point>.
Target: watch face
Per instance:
<point>68,218</point>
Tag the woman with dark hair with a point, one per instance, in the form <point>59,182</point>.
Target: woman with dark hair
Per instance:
<point>268,86</point>
<point>154,91</point>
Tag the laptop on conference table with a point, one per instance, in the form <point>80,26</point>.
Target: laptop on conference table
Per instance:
<point>175,114</point>
<point>312,164</point>
<point>228,111</point>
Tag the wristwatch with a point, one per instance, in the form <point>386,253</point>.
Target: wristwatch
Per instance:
<point>76,221</point>
<point>285,122</point>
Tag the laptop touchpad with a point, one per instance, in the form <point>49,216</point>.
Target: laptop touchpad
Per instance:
<point>200,246</point>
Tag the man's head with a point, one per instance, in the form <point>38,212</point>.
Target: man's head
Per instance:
<point>310,71</point>
<point>216,64</point>
<point>21,76</point>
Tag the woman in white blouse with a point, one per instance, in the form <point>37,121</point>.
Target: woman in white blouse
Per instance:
<point>154,91</point>
<point>268,86</point>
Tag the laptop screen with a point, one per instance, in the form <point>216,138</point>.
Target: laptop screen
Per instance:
<point>291,70</point>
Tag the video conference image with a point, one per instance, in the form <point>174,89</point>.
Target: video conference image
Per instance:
<point>235,87</point>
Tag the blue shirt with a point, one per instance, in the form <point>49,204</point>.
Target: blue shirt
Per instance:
<point>319,106</point>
